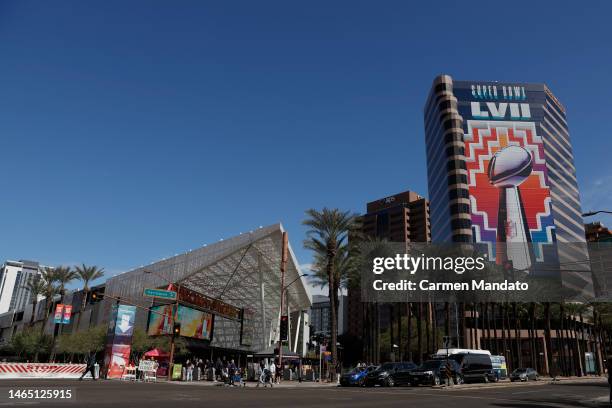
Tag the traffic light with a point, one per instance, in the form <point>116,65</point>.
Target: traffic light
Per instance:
<point>95,297</point>
<point>284,328</point>
<point>176,330</point>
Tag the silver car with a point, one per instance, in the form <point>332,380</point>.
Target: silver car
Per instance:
<point>524,374</point>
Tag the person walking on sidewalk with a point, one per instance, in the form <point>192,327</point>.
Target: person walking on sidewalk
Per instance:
<point>90,365</point>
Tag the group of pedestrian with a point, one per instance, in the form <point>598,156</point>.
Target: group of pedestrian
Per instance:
<point>267,373</point>
<point>222,370</point>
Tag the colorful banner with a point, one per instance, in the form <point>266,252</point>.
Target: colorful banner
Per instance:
<point>194,323</point>
<point>119,339</point>
<point>507,176</point>
<point>160,320</point>
<point>118,359</point>
<point>59,313</point>
<point>67,314</point>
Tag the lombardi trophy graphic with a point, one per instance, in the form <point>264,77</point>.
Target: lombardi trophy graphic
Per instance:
<point>508,168</point>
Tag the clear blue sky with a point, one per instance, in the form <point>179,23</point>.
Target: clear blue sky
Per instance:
<point>131,131</point>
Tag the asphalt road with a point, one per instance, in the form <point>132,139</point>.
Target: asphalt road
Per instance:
<point>116,394</point>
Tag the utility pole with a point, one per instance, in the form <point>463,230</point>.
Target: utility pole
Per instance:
<point>283,266</point>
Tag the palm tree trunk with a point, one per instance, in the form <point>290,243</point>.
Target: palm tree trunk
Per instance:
<point>517,335</point>
<point>447,319</point>
<point>551,370</point>
<point>331,253</point>
<point>434,325</point>
<point>420,333</point>
<point>495,347</point>
<point>409,332</point>
<point>391,329</point>
<point>561,336</point>
<point>400,344</point>
<point>34,304</point>
<point>427,327</point>
<point>502,306</point>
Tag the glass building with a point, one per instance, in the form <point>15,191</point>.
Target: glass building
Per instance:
<point>242,272</point>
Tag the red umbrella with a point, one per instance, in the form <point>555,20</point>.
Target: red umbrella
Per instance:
<point>156,353</point>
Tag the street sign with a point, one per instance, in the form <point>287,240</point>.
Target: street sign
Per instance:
<point>160,293</point>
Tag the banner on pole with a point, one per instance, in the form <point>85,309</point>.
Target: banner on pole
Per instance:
<point>67,314</point>
<point>59,313</point>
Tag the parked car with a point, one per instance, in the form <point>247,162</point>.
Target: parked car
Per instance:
<point>476,367</point>
<point>356,377</point>
<point>402,375</point>
<point>382,375</point>
<point>434,372</point>
<point>524,374</point>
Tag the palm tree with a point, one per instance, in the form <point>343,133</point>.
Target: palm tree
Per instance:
<point>327,235</point>
<point>37,287</point>
<point>63,276</point>
<point>48,278</point>
<point>87,274</point>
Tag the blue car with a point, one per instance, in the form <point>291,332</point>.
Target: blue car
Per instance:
<point>356,377</point>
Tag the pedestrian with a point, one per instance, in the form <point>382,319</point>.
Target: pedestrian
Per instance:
<point>90,365</point>
<point>272,369</point>
<point>231,372</point>
<point>218,369</point>
<point>188,371</point>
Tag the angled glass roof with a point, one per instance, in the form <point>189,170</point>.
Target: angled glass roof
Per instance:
<point>243,271</point>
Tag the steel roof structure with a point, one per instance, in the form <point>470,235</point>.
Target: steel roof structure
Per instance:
<point>243,271</point>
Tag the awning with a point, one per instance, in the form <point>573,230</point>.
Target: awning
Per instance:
<point>156,353</point>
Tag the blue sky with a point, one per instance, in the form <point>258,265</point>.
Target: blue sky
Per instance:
<point>131,131</point>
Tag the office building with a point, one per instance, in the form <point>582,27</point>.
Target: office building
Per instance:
<point>320,315</point>
<point>404,218</point>
<point>597,232</point>
<point>501,171</point>
<point>14,278</point>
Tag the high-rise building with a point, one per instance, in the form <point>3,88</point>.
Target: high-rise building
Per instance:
<point>500,164</point>
<point>597,232</point>
<point>402,217</point>
<point>500,170</point>
<point>320,315</point>
<point>14,276</point>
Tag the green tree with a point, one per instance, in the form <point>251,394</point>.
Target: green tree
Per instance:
<point>28,343</point>
<point>82,343</point>
<point>327,236</point>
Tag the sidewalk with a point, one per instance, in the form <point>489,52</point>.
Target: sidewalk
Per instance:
<point>541,381</point>
<point>253,384</point>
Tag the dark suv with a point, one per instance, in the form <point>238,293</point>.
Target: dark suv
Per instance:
<point>383,375</point>
<point>435,372</point>
<point>475,367</point>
